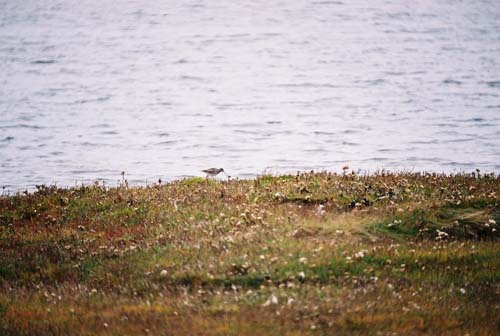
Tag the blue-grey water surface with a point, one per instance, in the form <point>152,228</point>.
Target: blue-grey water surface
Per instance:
<point>166,88</point>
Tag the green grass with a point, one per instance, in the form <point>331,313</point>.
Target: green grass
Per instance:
<point>314,253</point>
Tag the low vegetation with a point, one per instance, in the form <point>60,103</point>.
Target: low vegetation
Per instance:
<point>315,253</point>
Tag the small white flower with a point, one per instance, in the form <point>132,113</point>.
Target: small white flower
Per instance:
<point>321,209</point>
<point>163,273</point>
<point>272,300</point>
<point>441,235</point>
<point>302,275</point>
<point>359,254</point>
<point>462,290</point>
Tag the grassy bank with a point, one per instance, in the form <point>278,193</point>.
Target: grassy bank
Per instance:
<point>315,253</point>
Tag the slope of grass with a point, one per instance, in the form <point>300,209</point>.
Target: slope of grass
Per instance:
<point>316,253</point>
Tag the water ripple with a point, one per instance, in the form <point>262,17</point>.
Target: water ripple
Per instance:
<point>90,89</point>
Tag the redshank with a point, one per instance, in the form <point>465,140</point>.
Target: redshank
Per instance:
<point>213,171</point>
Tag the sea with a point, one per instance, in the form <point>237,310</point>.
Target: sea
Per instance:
<point>164,89</point>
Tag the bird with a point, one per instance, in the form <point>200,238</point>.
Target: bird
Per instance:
<point>213,171</point>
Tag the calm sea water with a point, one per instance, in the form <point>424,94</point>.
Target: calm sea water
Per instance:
<point>166,88</point>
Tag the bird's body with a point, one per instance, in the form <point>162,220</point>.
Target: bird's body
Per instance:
<point>213,171</point>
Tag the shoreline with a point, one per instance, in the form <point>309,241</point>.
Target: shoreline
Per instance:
<point>8,190</point>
